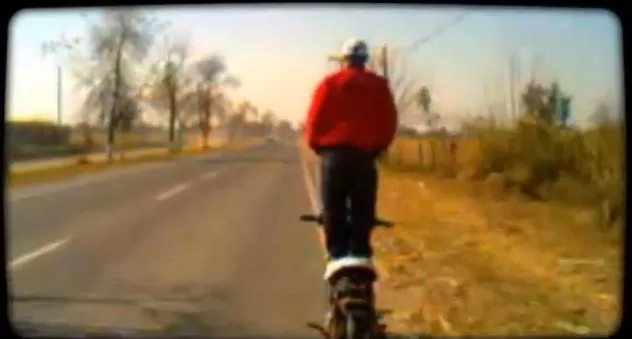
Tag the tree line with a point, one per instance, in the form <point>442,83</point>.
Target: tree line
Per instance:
<point>129,61</point>
<point>539,152</point>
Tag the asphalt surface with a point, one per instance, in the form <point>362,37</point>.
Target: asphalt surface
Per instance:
<point>208,245</point>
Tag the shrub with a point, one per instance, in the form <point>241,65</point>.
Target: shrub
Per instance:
<point>540,159</point>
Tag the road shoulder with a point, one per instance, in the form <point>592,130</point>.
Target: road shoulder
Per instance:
<point>62,170</point>
<point>462,262</point>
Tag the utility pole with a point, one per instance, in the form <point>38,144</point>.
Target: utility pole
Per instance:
<point>488,101</point>
<point>518,80</point>
<point>534,67</point>
<point>385,69</point>
<point>384,61</point>
<point>59,95</point>
<point>512,86</point>
<point>48,48</point>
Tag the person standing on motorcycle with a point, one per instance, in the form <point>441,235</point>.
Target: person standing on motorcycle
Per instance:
<point>352,119</point>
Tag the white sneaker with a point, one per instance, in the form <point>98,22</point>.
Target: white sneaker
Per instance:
<point>328,318</point>
<point>334,266</point>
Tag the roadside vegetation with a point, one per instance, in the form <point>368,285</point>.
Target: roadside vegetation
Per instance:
<point>85,166</point>
<point>141,88</point>
<point>538,155</point>
<point>494,219</point>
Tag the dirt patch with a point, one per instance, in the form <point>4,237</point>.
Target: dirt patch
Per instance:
<point>463,260</point>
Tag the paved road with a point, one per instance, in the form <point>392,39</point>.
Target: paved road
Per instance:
<point>214,237</point>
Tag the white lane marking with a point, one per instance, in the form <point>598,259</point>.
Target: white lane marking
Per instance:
<point>19,194</point>
<point>309,185</point>
<point>23,259</point>
<point>317,174</point>
<point>170,193</point>
<point>209,175</point>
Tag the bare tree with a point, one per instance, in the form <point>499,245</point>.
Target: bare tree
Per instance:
<point>393,64</point>
<point>236,121</point>
<point>117,42</point>
<point>254,112</point>
<point>171,79</point>
<point>424,101</point>
<point>284,129</point>
<point>212,77</point>
<point>267,120</point>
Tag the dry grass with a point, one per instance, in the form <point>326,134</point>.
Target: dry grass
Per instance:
<point>430,154</point>
<point>122,141</point>
<point>503,249</point>
<point>539,160</point>
<point>463,262</point>
<point>467,258</point>
<point>82,166</point>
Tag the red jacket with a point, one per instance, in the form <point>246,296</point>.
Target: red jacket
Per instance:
<point>352,107</point>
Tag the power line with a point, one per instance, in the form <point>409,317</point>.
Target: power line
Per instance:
<point>438,31</point>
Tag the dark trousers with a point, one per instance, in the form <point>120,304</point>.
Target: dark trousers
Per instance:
<point>348,192</point>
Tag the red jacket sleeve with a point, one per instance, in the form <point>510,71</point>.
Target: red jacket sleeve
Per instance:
<point>387,118</point>
<point>317,115</point>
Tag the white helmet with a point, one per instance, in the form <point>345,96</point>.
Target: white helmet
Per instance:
<point>354,48</point>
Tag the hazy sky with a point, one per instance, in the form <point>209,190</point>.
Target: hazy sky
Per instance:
<point>279,52</point>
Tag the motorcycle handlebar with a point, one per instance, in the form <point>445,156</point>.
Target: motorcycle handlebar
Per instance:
<point>319,220</point>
